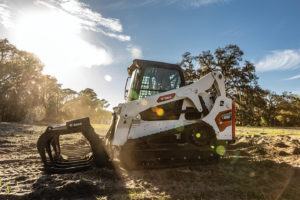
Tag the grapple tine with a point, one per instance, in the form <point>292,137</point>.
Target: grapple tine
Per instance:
<point>50,138</point>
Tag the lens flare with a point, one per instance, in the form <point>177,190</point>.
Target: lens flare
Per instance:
<point>160,112</point>
<point>221,150</point>
<point>108,78</point>
<point>252,174</point>
<point>235,158</point>
<point>55,37</point>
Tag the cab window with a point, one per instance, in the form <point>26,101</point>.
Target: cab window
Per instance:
<point>156,80</point>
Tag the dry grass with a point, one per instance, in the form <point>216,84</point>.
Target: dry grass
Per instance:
<point>270,131</point>
<point>263,164</point>
<point>101,129</point>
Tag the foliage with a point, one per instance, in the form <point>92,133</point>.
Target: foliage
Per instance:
<point>255,106</point>
<point>27,94</point>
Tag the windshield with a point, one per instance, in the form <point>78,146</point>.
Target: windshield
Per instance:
<point>153,81</point>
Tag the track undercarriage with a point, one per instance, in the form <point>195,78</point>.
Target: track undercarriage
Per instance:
<point>195,144</point>
<point>170,156</point>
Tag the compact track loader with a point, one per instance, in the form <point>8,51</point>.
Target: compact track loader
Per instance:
<point>164,122</point>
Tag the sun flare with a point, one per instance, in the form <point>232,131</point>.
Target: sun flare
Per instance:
<point>55,37</point>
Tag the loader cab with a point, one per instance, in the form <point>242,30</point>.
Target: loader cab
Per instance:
<point>149,78</point>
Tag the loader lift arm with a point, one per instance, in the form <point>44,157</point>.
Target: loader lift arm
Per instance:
<point>132,109</point>
<point>192,92</point>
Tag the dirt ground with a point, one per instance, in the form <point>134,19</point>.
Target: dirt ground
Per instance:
<point>257,166</point>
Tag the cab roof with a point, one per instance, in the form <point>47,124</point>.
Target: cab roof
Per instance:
<point>140,64</point>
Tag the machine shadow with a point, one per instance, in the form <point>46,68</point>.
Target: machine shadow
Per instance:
<point>92,184</point>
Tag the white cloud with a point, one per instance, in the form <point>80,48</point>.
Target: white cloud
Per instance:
<point>52,29</point>
<point>81,12</point>
<point>117,36</point>
<point>279,60</point>
<point>293,77</point>
<point>297,92</point>
<point>198,3</point>
<point>135,52</point>
<point>5,15</point>
<point>88,18</point>
<point>121,4</point>
<point>54,36</point>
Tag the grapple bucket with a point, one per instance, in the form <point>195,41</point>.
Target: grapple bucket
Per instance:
<point>49,148</point>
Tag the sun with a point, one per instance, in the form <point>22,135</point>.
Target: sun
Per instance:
<point>55,37</point>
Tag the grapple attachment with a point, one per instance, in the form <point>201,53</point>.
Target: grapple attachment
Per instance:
<point>49,148</point>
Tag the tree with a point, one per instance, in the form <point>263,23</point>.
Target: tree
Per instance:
<point>19,72</point>
<point>240,78</point>
<point>27,94</point>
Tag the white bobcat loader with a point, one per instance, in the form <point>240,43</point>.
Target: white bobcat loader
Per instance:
<point>164,122</point>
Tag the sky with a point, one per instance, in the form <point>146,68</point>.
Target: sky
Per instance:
<point>90,43</point>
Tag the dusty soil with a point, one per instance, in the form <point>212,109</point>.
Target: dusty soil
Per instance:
<point>256,167</point>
